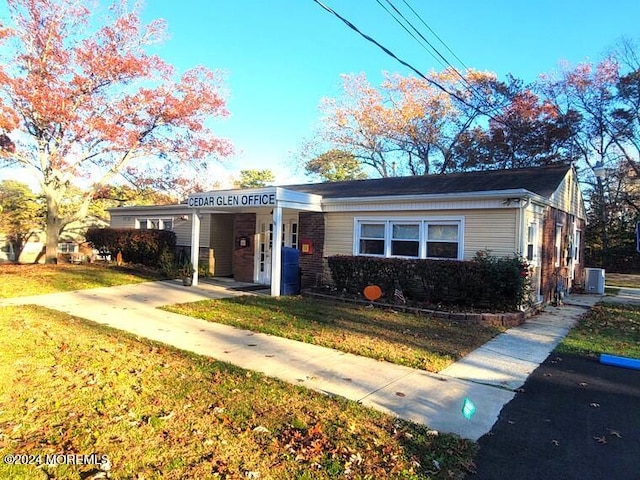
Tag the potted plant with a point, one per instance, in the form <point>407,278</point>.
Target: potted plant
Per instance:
<point>186,273</point>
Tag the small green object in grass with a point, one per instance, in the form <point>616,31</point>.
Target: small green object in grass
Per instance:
<point>468,409</point>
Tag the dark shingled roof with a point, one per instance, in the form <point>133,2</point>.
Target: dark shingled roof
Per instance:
<point>540,180</point>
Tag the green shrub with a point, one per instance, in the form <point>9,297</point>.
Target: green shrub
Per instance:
<point>145,247</point>
<point>486,282</point>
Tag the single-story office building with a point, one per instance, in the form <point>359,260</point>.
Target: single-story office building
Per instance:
<point>538,213</point>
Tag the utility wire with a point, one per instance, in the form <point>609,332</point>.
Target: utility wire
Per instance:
<point>442,62</point>
<point>474,90</point>
<point>406,64</point>
<point>435,34</point>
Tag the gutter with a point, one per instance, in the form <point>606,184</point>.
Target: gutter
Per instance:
<point>493,194</point>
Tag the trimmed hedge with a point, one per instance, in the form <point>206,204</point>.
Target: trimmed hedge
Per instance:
<point>145,247</point>
<point>493,283</point>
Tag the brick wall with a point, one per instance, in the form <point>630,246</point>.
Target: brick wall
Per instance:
<point>311,225</point>
<point>549,271</point>
<point>243,257</point>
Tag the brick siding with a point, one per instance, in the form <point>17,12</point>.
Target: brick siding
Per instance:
<point>243,257</point>
<point>311,226</point>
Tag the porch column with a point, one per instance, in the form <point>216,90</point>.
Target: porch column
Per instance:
<point>195,243</point>
<point>276,251</point>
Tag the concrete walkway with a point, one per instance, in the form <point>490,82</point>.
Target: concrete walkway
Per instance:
<point>488,376</point>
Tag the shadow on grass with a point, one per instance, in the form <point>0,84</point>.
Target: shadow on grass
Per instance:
<point>307,320</point>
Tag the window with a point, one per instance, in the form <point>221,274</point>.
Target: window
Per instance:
<point>294,235</point>
<point>558,244</point>
<point>372,239</point>
<point>409,238</point>
<point>532,237</point>
<point>405,240</point>
<point>442,241</point>
<point>576,246</point>
<point>67,247</point>
<point>154,223</point>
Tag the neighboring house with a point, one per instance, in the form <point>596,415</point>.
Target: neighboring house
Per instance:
<point>537,213</point>
<point>71,245</point>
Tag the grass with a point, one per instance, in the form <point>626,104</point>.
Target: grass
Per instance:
<point>70,386</point>
<point>402,338</point>
<point>607,328</point>
<point>613,291</point>
<point>23,280</point>
<point>622,280</point>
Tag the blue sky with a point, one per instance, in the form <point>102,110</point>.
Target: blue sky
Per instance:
<point>282,56</point>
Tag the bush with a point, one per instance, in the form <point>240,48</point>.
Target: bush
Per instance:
<point>154,248</point>
<point>486,282</point>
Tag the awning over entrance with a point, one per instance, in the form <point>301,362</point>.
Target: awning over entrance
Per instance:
<point>250,200</point>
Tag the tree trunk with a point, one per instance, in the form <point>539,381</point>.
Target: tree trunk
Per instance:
<point>54,223</point>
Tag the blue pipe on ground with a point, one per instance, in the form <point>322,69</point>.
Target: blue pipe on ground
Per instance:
<point>616,361</point>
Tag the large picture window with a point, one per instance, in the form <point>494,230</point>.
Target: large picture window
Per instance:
<point>432,238</point>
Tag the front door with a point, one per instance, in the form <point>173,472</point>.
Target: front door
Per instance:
<point>264,244</point>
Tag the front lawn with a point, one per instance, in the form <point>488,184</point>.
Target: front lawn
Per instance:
<point>406,339</point>
<point>35,279</point>
<point>70,386</point>
<point>608,328</point>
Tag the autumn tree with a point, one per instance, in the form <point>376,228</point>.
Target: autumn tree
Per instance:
<point>22,214</point>
<point>335,166</point>
<point>112,196</point>
<point>529,131</point>
<point>412,123</point>
<point>86,103</point>
<point>253,178</point>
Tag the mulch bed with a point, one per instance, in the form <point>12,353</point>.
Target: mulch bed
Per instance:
<point>573,419</point>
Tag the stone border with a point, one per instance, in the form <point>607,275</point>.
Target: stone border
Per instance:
<point>508,320</point>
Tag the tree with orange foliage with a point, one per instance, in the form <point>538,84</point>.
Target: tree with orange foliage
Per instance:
<point>79,103</point>
<point>408,125</point>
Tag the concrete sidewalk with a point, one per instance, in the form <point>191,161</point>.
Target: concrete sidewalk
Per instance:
<point>488,376</point>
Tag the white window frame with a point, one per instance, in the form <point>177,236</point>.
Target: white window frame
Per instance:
<point>533,241</point>
<point>422,222</point>
<point>162,223</point>
<point>63,247</point>
<point>557,245</point>
<point>577,238</point>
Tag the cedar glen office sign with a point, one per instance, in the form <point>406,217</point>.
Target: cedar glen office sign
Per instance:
<point>233,200</point>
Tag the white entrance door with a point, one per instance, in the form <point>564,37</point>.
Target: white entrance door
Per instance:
<point>264,244</point>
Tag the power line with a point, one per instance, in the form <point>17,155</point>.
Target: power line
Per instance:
<point>435,34</point>
<point>406,64</point>
<point>469,86</point>
<point>445,64</point>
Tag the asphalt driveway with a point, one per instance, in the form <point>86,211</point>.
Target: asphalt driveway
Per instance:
<point>574,418</point>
